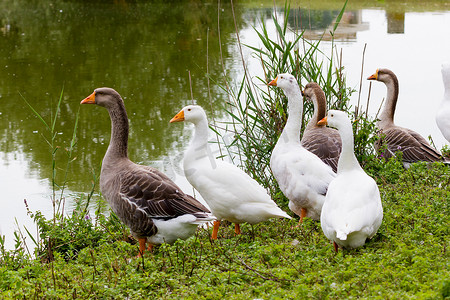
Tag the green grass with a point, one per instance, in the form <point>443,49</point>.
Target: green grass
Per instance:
<point>407,259</point>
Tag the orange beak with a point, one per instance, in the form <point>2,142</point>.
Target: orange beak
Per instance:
<point>373,76</point>
<point>273,82</point>
<point>322,122</point>
<point>89,99</point>
<point>178,117</point>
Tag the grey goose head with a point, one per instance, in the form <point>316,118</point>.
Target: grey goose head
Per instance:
<point>312,89</point>
<point>106,97</point>
<point>384,75</point>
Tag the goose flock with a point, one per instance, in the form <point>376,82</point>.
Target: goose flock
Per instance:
<point>318,172</point>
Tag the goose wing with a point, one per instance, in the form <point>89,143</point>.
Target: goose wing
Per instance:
<point>324,142</point>
<point>413,146</point>
<point>157,195</point>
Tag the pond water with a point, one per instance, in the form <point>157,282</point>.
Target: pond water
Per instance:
<point>150,53</point>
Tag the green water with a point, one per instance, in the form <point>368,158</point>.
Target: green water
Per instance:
<point>143,50</point>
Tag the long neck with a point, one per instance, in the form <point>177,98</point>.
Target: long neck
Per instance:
<point>319,103</point>
<point>199,144</point>
<point>291,131</point>
<point>447,89</point>
<point>446,80</point>
<point>387,115</point>
<point>347,158</point>
<point>118,145</point>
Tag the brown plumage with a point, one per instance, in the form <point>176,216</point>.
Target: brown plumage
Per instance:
<point>154,208</point>
<point>325,142</point>
<point>412,145</point>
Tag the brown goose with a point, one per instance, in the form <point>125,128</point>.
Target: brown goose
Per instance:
<point>413,146</point>
<point>323,141</point>
<point>147,201</point>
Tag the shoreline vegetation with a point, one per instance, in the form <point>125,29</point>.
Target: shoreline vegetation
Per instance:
<point>91,254</point>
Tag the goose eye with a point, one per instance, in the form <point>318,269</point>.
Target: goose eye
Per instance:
<point>189,109</point>
<point>332,115</point>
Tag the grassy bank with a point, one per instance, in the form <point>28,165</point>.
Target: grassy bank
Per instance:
<point>407,259</point>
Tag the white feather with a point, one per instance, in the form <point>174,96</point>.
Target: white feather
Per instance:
<point>170,230</point>
<point>443,113</point>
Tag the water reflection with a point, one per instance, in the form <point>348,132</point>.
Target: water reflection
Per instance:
<point>143,50</point>
<point>319,24</point>
<point>395,22</point>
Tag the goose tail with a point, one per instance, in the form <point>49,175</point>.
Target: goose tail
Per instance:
<point>203,217</point>
<point>341,235</point>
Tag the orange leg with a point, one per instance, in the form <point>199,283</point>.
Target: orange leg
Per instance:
<point>142,242</point>
<point>336,248</point>
<point>150,247</point>
<point>215,229</point>
<point>237,228</point>
<point>302,215</point>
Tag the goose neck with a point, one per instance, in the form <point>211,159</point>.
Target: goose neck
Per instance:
<point>118,145</point>
<point>319,111</point>
<point>199,145</point>
<point>447,95</point>
<point>291,131</point>
<point>347,158</point>
<point>387,115</point>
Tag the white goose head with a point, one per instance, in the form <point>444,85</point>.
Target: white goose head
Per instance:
<point>337,119</point>
<point>191,113</point>
<point>286,82</point>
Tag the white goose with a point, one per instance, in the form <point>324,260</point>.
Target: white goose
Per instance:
<point>352,211</point>
<point>302,176</point>
<point>443,114</point>
<point>230,193</point>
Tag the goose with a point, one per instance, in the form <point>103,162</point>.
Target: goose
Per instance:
<point>325,142</point>
<point>302,176</point>
<point>412,145</point>
<point>154,208</point>
<point>230,193</point>
<point>352,211</point>
<point>443,114</point>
